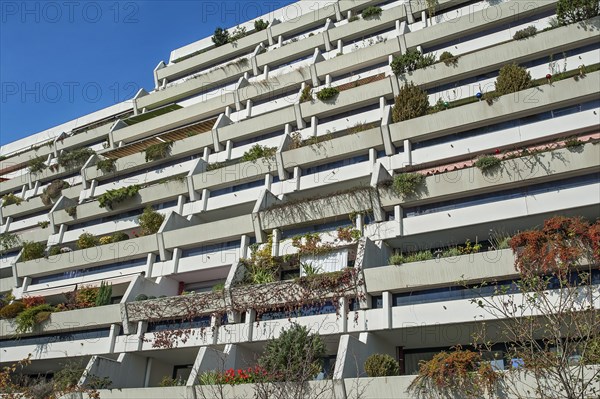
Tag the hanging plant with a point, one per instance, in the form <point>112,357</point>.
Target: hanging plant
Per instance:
<point>37,165</point>
<point>407,183</point>
<point>75,158</point>
<point>487,164</point>
<point>113,197</point>
<point>158,151</point>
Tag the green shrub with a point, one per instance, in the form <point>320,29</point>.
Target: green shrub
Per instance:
<point>37,165</point>
<point>512,78</point>
<point>379,365</point>
<point>106,165</point>
<point>119,236</point>
<point>306,95</point>
<point>87,240</point>
<point>396,259</point>
<point>30,317</point>
<point>530,31</point>
<point>411,102</point>
<point>54,250</point>
<point>407,183</point>
<point>113,197</point>
<point>295,356</point>
<point>353,18</point>
<point>43,224</point>
<point>327,93</point>
<point>8,241</point>
<point>371,12</point>
<point>259,25</point>
<point>487,163</point>
<point>140,297</point>
<point>11,311</point>
<point>220,37</point>
<point>32,250</point>
<point>71,210</point>
<point>257,151</point>
<point>10,199</point>
<point>75,158</point>
<point>104,294</point>
<point>571,11</point>
<point>158,151</point>
<point>150,221</point>
<point>411,61</point>
<point>448,58</point>
<point>53,191</point>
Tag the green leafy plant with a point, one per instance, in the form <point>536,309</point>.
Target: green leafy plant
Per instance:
<point>32,250</point>
<point>158,151</point>
<point>371,12</point>
<point>259,25</point>
<point>219,287</point>
<point>11,310</point>
<point>170,382</point>
<point>150,221</point>
<point>353,18</point>
<point>37,165</point>
<point>571,11</point>
<point>87,240</point>
<point>106,165</point>
<point>411,102</point>
<point>30,317</point>
<point>327,93</point>
<point>295,355</point>
<point>238,33</point>
<point>257,151</point>
<point>381,365</point>
<point>8,241</point>
<point>487,163</point>
<point>71,211</point>
<point>75,158</point>
<point>411,61</point>
<point>512,78</point>
<point>53,191</point>
<point>309,269</point>
<point>406,184</point>
<point>448,58</point>
<point>113,197</point>
<point>44,224</point>
<point>104,294</point>
<point>11,199</point>
<point>530,31</point>
<point>306,95</point>
<point>398,259</point>
<point>220,37</point>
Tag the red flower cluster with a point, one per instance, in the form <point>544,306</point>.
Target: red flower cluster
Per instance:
<point>240,376</point>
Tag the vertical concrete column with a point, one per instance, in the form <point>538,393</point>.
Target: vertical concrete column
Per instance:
<point>424,18</point>
<point>228,111</point>
<point>93,188</point>
<point>328,80</point>
<point>359,222</point>
<point>387,308</point>
<point>372,157</point>
<point>408,12</point>
<point>249,323</point>
<point>266,72</point>
<point>228,147</point>
<point>270,36</point>
<point>297,175</point>
<point>314,123</point>
<point>244,244</point>
<point>268,181</point>
<point>279,40</point>
<point>248,108</point>
<point>340,46</point>
<point>276,241</point>
<point>115,329</point>
<point>407,150</point>
<point>343,310</point>
<point>398,215</point>
<point>206,154</point>
<point>204,199</point>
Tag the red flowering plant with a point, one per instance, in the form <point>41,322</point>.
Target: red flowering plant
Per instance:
<point>235,376</point>
<point>33,301</point>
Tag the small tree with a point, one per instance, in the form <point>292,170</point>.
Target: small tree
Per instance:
<point>512,78</point>
<point>259,25</point>
<point>411,102</point>
<point>220,37</point>
<point>571,11</point>
<point>380,365</point>
<point>550,316</point>
<point>104,294</point>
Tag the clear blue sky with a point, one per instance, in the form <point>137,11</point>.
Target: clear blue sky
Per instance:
<point>63,59</point>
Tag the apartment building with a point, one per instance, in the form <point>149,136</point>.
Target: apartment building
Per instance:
<point>243,153</point>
